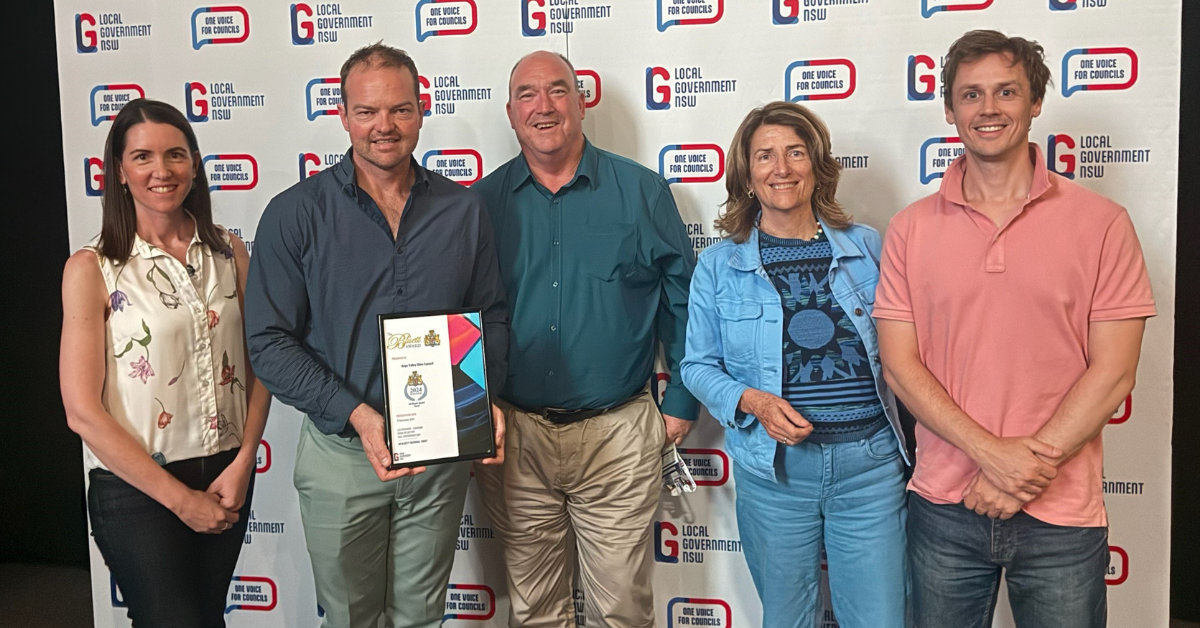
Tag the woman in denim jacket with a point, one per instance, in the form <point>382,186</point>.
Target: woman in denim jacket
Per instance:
<point>782,350</point>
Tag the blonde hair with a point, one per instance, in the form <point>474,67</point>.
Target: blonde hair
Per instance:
<point>741,209</point>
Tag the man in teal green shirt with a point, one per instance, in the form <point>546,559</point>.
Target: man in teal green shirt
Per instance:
<point>596,263</point>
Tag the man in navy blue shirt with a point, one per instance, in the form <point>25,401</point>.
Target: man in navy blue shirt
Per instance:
<point>374,234</point>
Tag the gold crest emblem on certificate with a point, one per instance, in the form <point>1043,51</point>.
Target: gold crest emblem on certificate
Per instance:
<point>433,339</point>
<point>415,390</point>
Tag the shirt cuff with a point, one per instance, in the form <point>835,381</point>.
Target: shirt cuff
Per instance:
<point>892,314</point>
<point>680,403</point>
<point>337,412</point>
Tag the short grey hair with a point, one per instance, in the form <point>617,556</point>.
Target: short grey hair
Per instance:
<point>571,66</point>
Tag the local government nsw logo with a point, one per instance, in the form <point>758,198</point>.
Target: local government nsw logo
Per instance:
<point>558,17</point>
<point>251,593</point>
<point>439,18</point>
<point>929,8</point>
<point>936,155</point>
<point>1096,69</point>
<point>1071,5</point>
<point>219,25</point>
<point>231,171</point>
<point>444,93</point>
<point>415,389</point>
<point>322,23</point>
<point>105,31</point>
<point>819,79</point>
<point>1089,156</point>
<point>108,100</point>
<point>322,96</point>
<point>682,87</point>
<point>691,163</point>
<point>216,101</point>
<point>689,12</point>
<point>786,12</point>
<point>688,543</point>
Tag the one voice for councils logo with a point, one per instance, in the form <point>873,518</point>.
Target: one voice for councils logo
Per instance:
<point>558,17</point>
<point>219,25</point>
<point>438,18</point>
<point>682,87</point>
<point>108,100</point>
<point>93,176</point>
<point>931,7</point>
<point>936,155</point>
<point>588,82</point>
<point>1091,69</point>
<point>691,163</point>
<point>699,611</point>
<point>785,12</point>
<point>321,25</point>
<point>231,171</point>
<point>689,12</point>
<point>251,593</point>
<point>312,163</point>
<point>819,79</point>
<point>475,602</point>
<point>216,101</point>
<point>1118,566</point>
<point>94,33</point>
<point>922,77</point>
<point>322,96</point>
<point>463,165</point>
<point>1086,156</point>
<point>709,467</point>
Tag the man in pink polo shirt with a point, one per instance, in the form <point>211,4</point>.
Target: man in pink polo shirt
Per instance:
<point>1011,306</point>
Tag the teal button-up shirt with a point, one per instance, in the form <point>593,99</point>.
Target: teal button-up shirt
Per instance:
<point>596,274</point>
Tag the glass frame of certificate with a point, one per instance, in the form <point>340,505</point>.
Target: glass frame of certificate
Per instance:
<point>436,400</point>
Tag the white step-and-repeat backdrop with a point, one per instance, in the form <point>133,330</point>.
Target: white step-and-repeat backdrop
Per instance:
<point>667,83</point>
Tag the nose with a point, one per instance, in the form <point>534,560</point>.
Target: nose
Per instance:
<point>989,104</point>
<point>541,102</point>
<point>780,166</point>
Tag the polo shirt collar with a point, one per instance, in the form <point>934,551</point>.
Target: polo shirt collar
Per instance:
<point>588,168</point>
<point>951,189</point>
<point>343,172</point>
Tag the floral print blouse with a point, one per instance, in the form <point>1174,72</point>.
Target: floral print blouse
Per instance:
<point>175,354</point>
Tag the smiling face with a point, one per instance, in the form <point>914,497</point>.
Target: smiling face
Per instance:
<point>545,107</point>
<point>382,114</point>
<point>157,167</point>
<point>993,107</point>
<point>781,173</point>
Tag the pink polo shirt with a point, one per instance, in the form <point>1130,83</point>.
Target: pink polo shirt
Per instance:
<point>1002,318</point>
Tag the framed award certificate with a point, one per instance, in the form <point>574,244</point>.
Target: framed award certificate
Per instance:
<point>437,406</point>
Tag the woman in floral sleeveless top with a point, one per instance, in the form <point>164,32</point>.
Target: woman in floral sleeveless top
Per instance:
<point>155,378</point>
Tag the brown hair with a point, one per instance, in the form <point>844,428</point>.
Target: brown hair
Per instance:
<point>380,55</point>
<point>977,44</point>
<point>741,209</point>
<point>119,222</point>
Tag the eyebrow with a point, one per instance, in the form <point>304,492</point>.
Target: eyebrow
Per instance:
<point>528,86</point>
<point>977,86</point>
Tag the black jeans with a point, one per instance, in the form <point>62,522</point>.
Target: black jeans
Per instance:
<point>169,575</point>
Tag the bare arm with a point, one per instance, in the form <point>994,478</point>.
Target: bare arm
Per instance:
<point>1012,464</point>
<point>1114,348</point>
<point>81,376</point>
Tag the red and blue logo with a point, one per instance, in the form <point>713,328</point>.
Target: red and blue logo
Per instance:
<point>472,602</point>
<point>666,542</point>
<point>118,600</point>
<point>231,171</point>
<point>424,97</point>
<point>1062,5</point>
<point>1118,566</point>
<point>784,12</point>
<point>86,39</point>
<point>439,18</point>
<point>922,80</point>
<point>690,13</point>
<point>1092,69</point>
<point>658,96</point>
<point>195,107</point>
<point>93,176</point>
<point>251,593</point>
<point>533,20</point>
<point>819,79</point>
<point>1060,156</point>
<point>219,25</point>
<point>936,155</point>
<point>322,96</point>
<point>262,458</point>
<point>1124,411</point>
<point>709,467</point>
<point>930,7</point>
<point>312,163</point>
<point>699,611</point>
<point>462,165</point>
<point>108,100</point>
<point>303,29</point>
<point>588,82</point>
<point>691,163</point>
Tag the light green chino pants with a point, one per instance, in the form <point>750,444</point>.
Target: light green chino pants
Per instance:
<point>377,549</point>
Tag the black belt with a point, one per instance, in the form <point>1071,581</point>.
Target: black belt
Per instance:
<point>560,416</point>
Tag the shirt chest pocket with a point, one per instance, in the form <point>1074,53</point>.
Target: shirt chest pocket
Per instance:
<point>606,252</point>
<point>740,328</point>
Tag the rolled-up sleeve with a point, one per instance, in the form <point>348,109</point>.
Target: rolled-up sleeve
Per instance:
<point>276,315</point>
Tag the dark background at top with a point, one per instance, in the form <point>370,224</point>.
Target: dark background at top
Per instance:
<point>41,477</point>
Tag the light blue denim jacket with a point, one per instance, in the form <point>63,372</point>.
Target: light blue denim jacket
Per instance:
<point>735,333</point>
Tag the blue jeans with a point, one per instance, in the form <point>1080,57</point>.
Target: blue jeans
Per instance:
<point>851,497</point>
<point>1055,574</point>
<point>169,575</point>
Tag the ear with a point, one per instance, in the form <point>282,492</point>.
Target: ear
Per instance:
<point>197,160</point>
<point>121,174</point>
<point>949,115</point>
<point>582,105</point>
<point>509,111</point>
<point>1036,110</point>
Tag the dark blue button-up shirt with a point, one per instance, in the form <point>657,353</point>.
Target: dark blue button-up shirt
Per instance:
<point>596,274</point>
<point>325,265</point>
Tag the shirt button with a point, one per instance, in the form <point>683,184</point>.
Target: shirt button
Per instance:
<point>877,359</point>
<point>550,374</point>
<point>858,311</point>
<point>556,243</point>
<point>553,328</point>
<point>556,284</point>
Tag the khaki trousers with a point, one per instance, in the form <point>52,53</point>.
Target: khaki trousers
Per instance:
<point>599,478</point>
